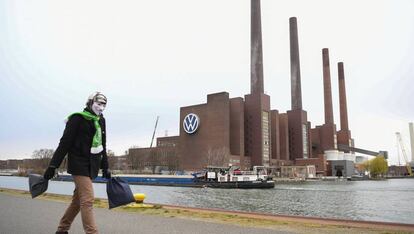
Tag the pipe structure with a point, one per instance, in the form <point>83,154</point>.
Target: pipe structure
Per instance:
<point>327,90</point>
<point>256,53</point>
<point>296,93</point>
<point>343,109</point>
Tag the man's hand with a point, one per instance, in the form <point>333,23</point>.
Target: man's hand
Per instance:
<point>49,173</point>
<point>106,173</point>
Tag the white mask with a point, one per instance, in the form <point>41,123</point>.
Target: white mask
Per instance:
<point>98,107</point>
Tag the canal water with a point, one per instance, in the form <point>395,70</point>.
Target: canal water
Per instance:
<point>389,200</point>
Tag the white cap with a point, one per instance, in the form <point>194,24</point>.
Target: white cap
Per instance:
<point>96,97</point>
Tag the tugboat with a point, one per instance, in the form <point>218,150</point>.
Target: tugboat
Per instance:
<point>233,177</point>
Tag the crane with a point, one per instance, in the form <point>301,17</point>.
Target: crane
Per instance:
<point>401,144</point>
<point>153,134</point>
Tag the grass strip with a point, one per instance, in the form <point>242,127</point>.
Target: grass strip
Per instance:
<point>246,220</point>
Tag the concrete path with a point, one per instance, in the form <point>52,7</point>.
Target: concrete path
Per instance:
<point>22,215</point>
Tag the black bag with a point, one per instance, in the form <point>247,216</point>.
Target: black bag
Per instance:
<point>37,184</point>
<point>119,193</point>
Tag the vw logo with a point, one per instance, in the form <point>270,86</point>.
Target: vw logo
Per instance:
<point>191,123</point>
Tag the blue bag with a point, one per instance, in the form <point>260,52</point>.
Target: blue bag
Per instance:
<point>119,193</point>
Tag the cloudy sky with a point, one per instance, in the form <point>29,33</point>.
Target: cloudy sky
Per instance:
<point>152,57</point>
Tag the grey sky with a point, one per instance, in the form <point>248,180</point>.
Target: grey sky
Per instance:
<point>151,57</point>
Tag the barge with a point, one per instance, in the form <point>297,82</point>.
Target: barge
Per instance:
<point>159,180</point>
<point>212,177</point>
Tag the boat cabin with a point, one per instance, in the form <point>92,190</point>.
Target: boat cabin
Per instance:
<point>234,174</point>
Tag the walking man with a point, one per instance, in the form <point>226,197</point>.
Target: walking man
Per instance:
<point>84,141</point>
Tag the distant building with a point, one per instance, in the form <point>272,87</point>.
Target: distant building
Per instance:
<point>118,163</point>
<point>3,164</point>
<point>14,163</point>
<point>304,172</point>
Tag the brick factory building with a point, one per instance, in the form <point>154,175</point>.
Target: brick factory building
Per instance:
<point>246,132</point>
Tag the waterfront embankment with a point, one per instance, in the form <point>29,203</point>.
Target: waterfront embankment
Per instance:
<point>21,214</point>
<point>384,201</point>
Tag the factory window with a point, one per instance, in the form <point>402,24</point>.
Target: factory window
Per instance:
<point>265,138</point>
<point>305,140</point>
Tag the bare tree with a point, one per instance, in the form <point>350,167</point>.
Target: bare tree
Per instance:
<point>154,159</point>
<point>218,157</point>
<point>145,159</point>
<point>135,159</point>
<point>168,158</point>
<point>43,156</point>
<point>173,161</point>
<point>110,153</point>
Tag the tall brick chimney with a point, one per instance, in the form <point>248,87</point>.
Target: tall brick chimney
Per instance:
<point>327,135</point>
<point>299,137</point>
<point>257,115</point>
<point>295,86</point>
<point>344,134</point>
<point>342,97</point>
<point>327,90</point>
<point>256,53</point>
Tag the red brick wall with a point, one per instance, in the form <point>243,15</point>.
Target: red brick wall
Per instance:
<point>237,128</point>
<point>275,134</point>
<point>319,162</point>
<point>344,137</point>
<point>254,105</point>
<point>296,119</point>
<point>284,136</point>
<point>213,131</point>
<point>327,135</point>
<point>316,141</point>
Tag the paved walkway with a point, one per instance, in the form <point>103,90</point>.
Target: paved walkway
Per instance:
<point>22,215</point>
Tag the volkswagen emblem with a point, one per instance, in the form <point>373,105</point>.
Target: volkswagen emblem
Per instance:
<point>191,123</point>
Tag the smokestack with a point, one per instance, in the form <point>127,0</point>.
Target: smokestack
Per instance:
<point>256,54</point>
<point>327,91</point>
<point>295,66</point>
<point>343,110</point>
<point>412,140</point>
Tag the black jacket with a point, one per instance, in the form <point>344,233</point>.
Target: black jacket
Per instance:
<point>76,142</point>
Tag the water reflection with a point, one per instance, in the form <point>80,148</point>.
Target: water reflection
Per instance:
<point>359,200</point>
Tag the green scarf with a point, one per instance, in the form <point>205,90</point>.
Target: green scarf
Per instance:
<point>97,138</point>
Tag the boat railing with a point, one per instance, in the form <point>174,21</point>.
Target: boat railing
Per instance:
<point>246,173</point>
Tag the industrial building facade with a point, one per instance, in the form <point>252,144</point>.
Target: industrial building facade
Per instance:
<point>247,132</point>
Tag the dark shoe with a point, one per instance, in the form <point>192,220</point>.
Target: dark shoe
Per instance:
<point>61,232</point>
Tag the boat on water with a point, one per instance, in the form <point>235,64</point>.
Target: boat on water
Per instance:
<point>212,177</point>
<point>358,177</point>
<point>160,180</point>
<point>233,177</point>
